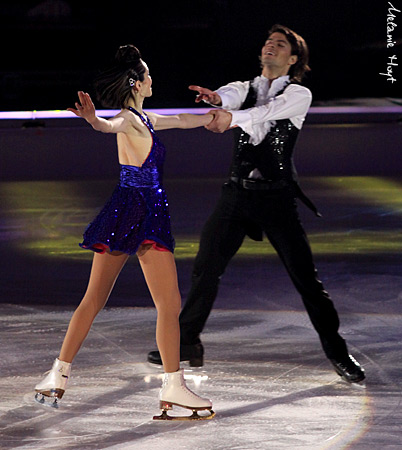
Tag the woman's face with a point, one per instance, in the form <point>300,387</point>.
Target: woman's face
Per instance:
<point>145,87</point>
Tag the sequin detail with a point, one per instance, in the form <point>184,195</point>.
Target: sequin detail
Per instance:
<point>138,209</point>
<point>278,139</point>
<point>273,157</point>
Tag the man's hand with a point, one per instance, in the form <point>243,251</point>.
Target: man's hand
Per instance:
<point>221,121</point>
<point>206,95</point>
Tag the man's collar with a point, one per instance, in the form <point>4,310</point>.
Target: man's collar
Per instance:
<point>280,80</point>
<point>261,83</point>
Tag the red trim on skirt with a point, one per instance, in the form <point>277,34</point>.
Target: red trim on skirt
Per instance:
<point>156,245</point>
<point>101,248</point>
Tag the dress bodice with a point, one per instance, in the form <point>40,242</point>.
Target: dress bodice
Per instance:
<point>157,154</point>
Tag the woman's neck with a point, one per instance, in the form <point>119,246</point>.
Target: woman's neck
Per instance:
<point>136,103</point>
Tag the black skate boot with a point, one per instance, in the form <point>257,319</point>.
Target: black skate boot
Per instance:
<point>349,369</point>
<point>194,354</point>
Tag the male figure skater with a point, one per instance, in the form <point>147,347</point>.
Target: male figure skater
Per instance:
<point>260,196</point>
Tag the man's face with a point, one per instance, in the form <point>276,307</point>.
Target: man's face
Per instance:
<point>277,51</point>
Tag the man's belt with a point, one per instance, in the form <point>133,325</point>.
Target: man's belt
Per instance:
<point>266,185</point>
<point>260,185</point>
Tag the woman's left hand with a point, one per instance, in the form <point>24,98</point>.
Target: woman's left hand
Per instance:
<point>86,109</point>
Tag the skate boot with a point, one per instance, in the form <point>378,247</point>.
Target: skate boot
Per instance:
<point>52,387</point>
<point>175,392</point>
<point>349,369</point>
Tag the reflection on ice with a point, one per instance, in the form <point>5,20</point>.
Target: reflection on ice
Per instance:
<point>270,389</point>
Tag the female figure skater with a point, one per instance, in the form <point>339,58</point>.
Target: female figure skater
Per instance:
<point>134,220</point>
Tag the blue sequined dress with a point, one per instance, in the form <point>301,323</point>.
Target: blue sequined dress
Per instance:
<point>138,209</point>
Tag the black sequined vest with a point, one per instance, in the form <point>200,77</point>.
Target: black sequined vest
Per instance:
<point>273,157</point>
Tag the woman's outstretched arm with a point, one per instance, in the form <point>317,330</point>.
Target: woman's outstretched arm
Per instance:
<point>162,122</point>
<point>86,109</point>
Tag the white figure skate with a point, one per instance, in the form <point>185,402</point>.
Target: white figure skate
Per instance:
<point>175,392</point>
<point>52,387</point>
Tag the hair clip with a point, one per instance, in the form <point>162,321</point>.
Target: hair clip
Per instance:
<point>131,82</point>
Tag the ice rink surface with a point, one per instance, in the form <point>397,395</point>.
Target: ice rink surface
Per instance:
<point>270,383</point>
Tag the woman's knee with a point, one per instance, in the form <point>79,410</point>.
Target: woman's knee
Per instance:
<point>168,305</point>
<point>91,304</point>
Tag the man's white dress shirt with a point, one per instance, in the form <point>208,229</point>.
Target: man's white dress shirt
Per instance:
<point>292,104</point>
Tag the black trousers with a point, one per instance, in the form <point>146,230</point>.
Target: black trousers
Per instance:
<point>275,213</point>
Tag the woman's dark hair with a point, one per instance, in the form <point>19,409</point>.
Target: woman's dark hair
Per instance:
<point>113,85</point>
<point>299,48</point>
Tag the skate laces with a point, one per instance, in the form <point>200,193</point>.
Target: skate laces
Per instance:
<point>189,391</point>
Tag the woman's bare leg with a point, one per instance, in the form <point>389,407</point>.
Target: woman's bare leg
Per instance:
<point>159,270</point>
<point>105,270</point>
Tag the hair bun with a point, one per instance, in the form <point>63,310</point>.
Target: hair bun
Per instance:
<point>127,54</point>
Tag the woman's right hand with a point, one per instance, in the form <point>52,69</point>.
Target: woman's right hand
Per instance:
<point>206,95</point>
<point>84,109</point>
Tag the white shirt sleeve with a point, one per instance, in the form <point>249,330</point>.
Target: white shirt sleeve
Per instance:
<point>293,104</point>
<point>233,94</point>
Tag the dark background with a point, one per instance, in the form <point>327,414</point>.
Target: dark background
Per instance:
<point>51,49</point>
